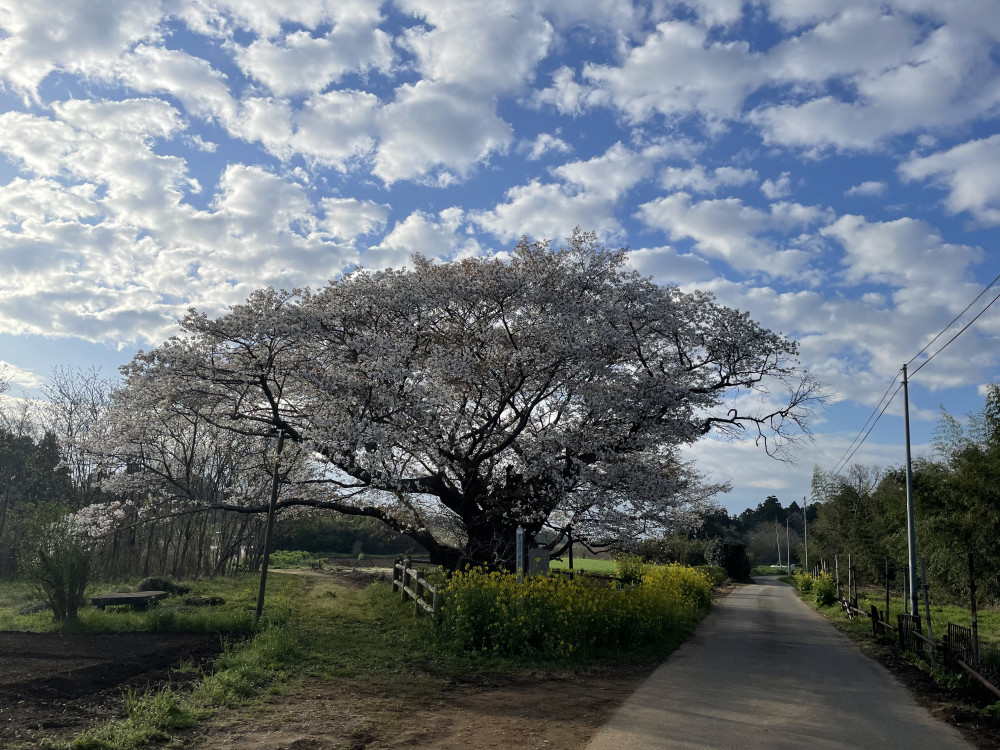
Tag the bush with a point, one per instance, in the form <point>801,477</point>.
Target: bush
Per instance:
<point>803,581</point>
<point>825,589</point>
<point>557,618</point>
<point>56,562</point>
<point>291,559</point>
<point>628,569</point>
<point>716,575</point>
<point>729,554</point>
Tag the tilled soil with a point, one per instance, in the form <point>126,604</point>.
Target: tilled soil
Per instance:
<point>55,684</point>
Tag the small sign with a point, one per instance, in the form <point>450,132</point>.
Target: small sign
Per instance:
<point>538,562</point>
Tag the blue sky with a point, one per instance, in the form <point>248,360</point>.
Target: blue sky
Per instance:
<point>828,165</point>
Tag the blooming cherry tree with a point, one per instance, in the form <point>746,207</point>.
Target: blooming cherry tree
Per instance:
<point>546,388</point>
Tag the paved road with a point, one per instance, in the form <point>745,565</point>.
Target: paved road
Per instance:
<point>766,671</point>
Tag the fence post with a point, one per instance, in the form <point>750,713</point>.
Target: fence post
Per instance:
<point>434,605</point>
<point>975,617</point>
<point>836,570</point>
<point>405,579</point>
<point>887,589</point>
<point>417,589</point>
<point>927,609</point>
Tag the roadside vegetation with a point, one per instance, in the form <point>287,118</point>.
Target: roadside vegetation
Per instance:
<point>316,628</point>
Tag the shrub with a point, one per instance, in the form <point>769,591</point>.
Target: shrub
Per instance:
<point>825,589</point>
<point>803,581</point>
<point>628,569</point>
<point>291,559</point>
<point>729,554</point>
<point>715,574</point>
<point>56,562</point>
<point>554,617</point>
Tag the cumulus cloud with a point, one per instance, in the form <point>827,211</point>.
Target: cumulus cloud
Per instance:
<point>545,143</point>
<point>867,188</point>
<point>968,172</point>
<point>678,71</point>
<point>421,233</point>
<point>435,127</point>
<point>586,197</point>
<point>732,231</point>
<point>779,188</point>
<point>699,180</point>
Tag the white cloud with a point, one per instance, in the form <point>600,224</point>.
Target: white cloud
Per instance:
<point>609,175</point>
<point>337,127</point>
<point>679,71</point>
<point>80,38</point>
<point>565,94</point>
<point>545,211</point>
<point>945,80</point>
<point>586,197</point>
<point>969,173</point>
<point>668,266</point>
<point>545,143</point>
<point>302,63</point>
<point>19,376</point>
<point>867,188</point>
<point>486,47</point>
<point>347,218</point>
<point>779,188</point>
<point>698,180</point>
<point>732,231</point>
<point>904,252</point>
<point>423,234</point>
<point>437,127</point>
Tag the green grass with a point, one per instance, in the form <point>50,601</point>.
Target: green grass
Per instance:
<point>588,564</point>
<point>941,614</point>
<point>170,615</point>
<point>315,629</point>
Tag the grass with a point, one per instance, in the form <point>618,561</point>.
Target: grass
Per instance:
<point>316,629</point>
<point>591,565</point>
<point>941,614</point>
<point>169,616</point>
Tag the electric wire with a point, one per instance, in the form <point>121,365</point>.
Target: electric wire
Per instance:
<point>852,448</point>
<point>950,324</point>
<point>841,463</point>
<point>847,460</point>
<point>963,330</point>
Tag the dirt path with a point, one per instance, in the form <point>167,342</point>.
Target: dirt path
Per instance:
<point>548,714</point>
<point>766,671</point>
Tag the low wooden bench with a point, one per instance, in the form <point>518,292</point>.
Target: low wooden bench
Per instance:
<point>135,599</point>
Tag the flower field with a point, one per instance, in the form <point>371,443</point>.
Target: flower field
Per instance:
<point>557,618</point>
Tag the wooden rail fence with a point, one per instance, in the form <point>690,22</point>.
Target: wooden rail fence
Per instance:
<point>411,584</point>
<point>958,647</point>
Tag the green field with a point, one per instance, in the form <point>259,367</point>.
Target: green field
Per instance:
<point>585,563</point>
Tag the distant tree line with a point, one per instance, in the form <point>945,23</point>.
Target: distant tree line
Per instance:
<point>51,468</point>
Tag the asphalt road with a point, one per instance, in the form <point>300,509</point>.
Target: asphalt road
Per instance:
<point>765,671</point>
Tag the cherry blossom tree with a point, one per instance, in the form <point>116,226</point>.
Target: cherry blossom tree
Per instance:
<point>551,389</point>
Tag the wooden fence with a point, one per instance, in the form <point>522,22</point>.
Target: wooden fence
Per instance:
<point>411,584</point>
<point>958,647</point>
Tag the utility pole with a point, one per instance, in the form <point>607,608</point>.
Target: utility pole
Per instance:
<point>805,530</point>
<point>777,542</point>
<point>911,535</point>
<point>788,548</point>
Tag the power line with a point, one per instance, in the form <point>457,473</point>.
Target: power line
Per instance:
<point>963,330</point>
<point>841,463</point>
<point>856,443</point>
<point>950,324</point>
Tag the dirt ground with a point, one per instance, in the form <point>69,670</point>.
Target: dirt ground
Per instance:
<point>548,714</point>
<point>54,684</point>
